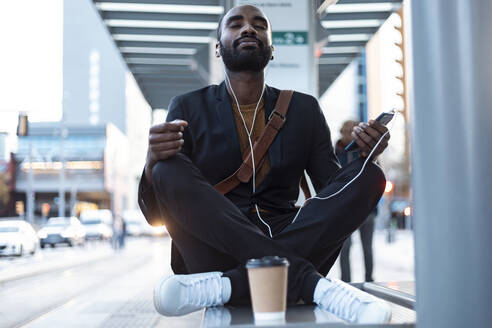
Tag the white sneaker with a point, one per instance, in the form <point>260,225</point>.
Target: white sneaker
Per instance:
<point>182,294</point>
<point>350,303</point>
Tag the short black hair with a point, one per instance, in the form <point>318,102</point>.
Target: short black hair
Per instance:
<point>219,27</point>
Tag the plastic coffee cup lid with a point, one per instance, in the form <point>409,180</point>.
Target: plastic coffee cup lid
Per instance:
<point>267,261</point>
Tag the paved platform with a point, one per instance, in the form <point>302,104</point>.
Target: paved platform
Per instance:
<point>137,310</point>
<point>119,294</point>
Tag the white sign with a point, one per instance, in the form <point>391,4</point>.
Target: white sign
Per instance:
<point>293,66</point>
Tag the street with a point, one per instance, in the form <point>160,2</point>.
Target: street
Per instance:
<point>103,288</point>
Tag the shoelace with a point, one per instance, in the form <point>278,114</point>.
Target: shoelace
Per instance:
<point>341,302</point>
<point>204,291</point>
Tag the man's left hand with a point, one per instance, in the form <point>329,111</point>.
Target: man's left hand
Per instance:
<point>366,135</point>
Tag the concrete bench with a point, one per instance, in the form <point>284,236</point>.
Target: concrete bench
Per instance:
<point>399,295</point>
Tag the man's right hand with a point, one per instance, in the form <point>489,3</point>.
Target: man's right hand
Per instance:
<point>165,140</point>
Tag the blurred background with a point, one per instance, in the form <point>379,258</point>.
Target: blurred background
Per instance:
<point>81,83</point>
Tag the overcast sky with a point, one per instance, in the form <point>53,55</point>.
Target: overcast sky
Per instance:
<point>30,60</point>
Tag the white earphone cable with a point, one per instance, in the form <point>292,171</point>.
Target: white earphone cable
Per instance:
<point>249,132</point>
<point>353,179</point>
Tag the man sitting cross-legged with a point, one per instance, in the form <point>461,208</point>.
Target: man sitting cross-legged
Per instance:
<point>204,140</point>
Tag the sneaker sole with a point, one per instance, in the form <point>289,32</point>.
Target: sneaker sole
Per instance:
<point>157,296</point>
<point>383,311</point>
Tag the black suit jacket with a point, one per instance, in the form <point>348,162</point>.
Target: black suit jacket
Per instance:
<point>212,144</point>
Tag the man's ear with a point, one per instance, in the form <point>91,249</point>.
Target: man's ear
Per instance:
<point>217,50</point>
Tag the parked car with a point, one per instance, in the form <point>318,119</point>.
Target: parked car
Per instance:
<point>17,237</point>
<point>135,221</point>
<point>62,230</point>
<point>98,224</point>
<point>134,228</point>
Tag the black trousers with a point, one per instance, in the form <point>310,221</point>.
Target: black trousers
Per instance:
<point>212,234</point>
<point>366,231</point>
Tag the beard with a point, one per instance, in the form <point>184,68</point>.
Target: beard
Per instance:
<point>247,59</point>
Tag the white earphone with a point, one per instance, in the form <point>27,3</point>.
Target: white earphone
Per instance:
<point>248,132</point>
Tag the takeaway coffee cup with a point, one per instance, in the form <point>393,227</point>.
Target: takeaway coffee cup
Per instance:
<point>268,287</point>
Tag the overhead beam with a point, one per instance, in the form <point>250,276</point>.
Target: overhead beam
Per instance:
<point>167,76</point>
<point>164,78</point>
<point>155,92</point>
<point>338,55</point>
<point>162,38</point>
<point>367,1</point>
<point>160,74</point>
<point>175,87</point>
<point>329,50</point>
<point>161,61</point>
<point>209,18</point>
<point>352,30</point>
<point>159,8</point>
<point>143,75</point>
<point>159,50</point>
<point>355,16</point>
<point>163,93</point>
<point>160,56</point>
<point>346,44</point>
<point>168,2</point>
<point>150,44</point>
<point>335,61</point>
<point>159,31</point>
<point>157,69</point>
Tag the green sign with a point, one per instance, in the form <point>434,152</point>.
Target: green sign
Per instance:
<point>290,38</point>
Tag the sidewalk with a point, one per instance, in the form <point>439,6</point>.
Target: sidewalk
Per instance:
<point>392,261</point>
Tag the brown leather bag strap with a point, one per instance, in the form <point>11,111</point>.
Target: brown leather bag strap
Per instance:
<point>275,122</point>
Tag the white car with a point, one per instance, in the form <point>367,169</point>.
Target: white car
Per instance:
<point>98,224</point>
<point>17,237</point>
<point>62,230</point>
<point>135,221</point>
<point>134,228</point>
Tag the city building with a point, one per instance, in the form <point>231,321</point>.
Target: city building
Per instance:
<point>105,114</point>
<point>7,187</point>
<point>95,167</point>
<point>98,88</point>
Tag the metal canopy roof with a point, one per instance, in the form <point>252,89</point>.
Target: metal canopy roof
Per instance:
<point>165,43</point>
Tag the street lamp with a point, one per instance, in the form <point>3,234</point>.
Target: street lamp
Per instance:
<point>22,131</point>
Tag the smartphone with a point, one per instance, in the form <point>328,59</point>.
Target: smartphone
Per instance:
<point>383,118</point>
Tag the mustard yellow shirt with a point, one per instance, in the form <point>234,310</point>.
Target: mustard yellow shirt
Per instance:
<point>248,112</point>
